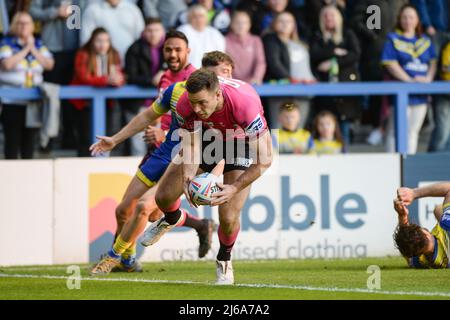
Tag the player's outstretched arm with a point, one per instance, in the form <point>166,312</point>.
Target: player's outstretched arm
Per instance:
<point>136,125</point>
<point>408,195</point>
<point>261,151</point>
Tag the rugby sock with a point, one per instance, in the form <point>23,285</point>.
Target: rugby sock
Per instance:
<point>226,244</point>
<point>193,222</point>
<point>176,217</point>
<point>129,256</point>
<point>173,213</point>
<point>119,248</point>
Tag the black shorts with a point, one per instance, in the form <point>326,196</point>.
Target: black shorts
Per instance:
<point>235,152</point>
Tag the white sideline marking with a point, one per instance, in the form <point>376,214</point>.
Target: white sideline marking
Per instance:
<point>244,285</point>
<point>35,268</point>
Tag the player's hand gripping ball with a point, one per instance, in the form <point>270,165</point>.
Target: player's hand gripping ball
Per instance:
<point>202,187</point>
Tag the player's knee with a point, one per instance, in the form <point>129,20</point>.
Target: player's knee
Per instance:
<point>162,200</point>
<point>228,224</point>
<point>122,213</point>
<point>144,208</point>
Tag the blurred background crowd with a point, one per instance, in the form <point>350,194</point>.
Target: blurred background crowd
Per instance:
<point>120,42</point>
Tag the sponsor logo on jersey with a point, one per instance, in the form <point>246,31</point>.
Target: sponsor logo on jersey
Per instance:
<point>256,126</point>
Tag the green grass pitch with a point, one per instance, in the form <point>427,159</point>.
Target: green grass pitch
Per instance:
<point>270,279</point>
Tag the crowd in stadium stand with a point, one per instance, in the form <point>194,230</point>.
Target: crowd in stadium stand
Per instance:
<point>271,41</point>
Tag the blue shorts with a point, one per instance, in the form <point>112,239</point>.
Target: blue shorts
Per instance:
<point>154,165</point>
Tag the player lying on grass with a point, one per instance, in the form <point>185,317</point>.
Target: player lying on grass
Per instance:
<point>420,247</point>
<point>232,109</point>
<point>153,168</point>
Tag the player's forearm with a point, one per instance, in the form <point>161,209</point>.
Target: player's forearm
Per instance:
<point>252,173</point>
<point>441,189</point>
<point>248,177</point>
<point>403,220</point>
<point>136,125</point>
<point>263,156</point>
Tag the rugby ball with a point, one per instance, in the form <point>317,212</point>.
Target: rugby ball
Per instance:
<point>202,187</point>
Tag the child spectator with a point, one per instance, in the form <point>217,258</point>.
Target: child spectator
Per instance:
<point>291,138</point>
<point>288,60</point>
<point>97,63</point>
<point>335,53</point>
<point>327,135</point>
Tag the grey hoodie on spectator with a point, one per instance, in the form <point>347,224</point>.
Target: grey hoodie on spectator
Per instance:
<point>55,33</point>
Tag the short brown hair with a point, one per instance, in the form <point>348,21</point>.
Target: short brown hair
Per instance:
<point>214,58</point>
<point>202,79</point>
<point>410,240</point>
<point>151,20</point>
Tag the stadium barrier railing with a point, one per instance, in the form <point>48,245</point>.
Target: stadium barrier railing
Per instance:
<point>399,90</point>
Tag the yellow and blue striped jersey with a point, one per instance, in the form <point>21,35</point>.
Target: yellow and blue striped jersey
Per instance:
<point>299,141</point>
<point>414,55</point>
<point>168,98</point>
<point>441,234</point>
<point>326,147</point>
<point>445,63</point>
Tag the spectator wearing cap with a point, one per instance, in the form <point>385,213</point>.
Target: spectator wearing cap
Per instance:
<point>290,137</point>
